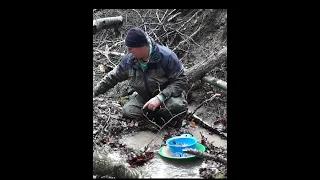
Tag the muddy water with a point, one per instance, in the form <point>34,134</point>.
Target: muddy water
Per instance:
<point>160,167</point>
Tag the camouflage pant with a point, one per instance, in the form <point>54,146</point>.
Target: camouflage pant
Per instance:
<point>176,105</point>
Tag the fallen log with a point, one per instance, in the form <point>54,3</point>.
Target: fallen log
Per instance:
<point>205,155</point>
<point>116,53</point>
<point>199,70</point>
<point>105,23</point>
<point>103,165</point>
<point>214,81</point>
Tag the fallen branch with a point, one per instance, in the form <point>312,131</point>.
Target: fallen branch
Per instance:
<point>116,53</point>
<point>164,15</point>
<point>205,155</point>
<point>193,34</point>
<point>162,128</point>
<point>217,82</point>
<point>199,121</point>
<point>208,100</point>
<point>107,123</point>
<point>105,23</point>
<point>189,19</point>
<point>158,16</point>
<point>205,125</point>
<point>189,91</point>
<point>145,29</point>
<point>115,44</point>
<point>107,52</point>
<point>155,124</point>
<point>173,16</point>
<point>196,72</point>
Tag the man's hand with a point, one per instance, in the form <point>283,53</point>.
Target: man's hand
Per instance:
<point>152,104</point>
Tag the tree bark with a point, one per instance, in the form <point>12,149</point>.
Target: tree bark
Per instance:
<point>104,165</point>
<point>205,125</point>
<point>205,155</point>
<point>105,23</point>
<point>217,82</point>
<point>198,71</point>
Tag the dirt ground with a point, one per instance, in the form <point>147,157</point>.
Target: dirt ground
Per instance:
<point>110,129</point>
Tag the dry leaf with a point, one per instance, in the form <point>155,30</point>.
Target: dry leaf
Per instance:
<point>192,124</point>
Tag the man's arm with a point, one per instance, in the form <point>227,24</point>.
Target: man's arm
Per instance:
<point>177,79</point>
<point>177,83</point>
<point>118,74</point>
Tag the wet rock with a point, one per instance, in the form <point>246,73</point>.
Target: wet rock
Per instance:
<point>103,106</point>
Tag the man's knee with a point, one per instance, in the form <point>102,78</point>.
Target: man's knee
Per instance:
<point>177,104</point>
<point>132,109</point>
<point>131,112</point>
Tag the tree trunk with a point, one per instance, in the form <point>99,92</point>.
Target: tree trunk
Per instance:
<point>198,71</point>
<point>205,155</point>
<point>105,23</point>
<point>217,82</point>
<point>104,165</point>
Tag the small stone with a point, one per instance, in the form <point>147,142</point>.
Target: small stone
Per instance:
<point>103,106</point>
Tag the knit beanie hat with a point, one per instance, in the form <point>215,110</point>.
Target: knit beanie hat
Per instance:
<point>136,38</point>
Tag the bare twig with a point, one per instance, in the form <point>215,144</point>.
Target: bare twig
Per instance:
<point>100,37</point>
<point>107,122</point>
<point>145,29</point>
<point>189,19</point>
<point>158,16</point>
<point>163,120</point>
<point>115,44</point>
<point>105,54</point>
<point>189,90</point>
<point>210,99</point>
<point>171,12</point>
<point>173,16</point>
<point>164,103</point>
<point>155,36</point>
<point>164,15</point>
<point>162,128</point>
<point>152,121</point>
<point>188,37</point>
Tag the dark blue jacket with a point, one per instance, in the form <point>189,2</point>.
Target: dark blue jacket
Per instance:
<point>164,69</point>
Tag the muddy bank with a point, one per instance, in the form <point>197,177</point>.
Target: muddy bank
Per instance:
<point>140,139</point>
<point>160,167</point>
